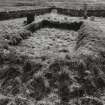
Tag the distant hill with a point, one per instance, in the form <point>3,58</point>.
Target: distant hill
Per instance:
<point>63,3</point>
<point>13,2</point>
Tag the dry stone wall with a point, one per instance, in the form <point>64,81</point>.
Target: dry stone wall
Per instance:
<point>71,12</point>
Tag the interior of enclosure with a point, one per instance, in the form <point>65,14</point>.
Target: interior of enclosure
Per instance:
<point>53,60</point>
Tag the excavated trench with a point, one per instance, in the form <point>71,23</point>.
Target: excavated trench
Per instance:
<point>56,63</point>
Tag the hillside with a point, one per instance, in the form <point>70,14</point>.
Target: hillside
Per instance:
<point>37,2</point>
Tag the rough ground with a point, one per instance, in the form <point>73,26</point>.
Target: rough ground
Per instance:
<point>53,66</point>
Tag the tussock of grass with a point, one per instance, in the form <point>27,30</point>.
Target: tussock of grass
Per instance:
<point>16,36</point>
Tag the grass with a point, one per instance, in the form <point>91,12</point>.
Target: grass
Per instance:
<point>77,78</point>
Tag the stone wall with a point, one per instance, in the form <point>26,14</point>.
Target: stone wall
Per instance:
<point>71,12</point>
<point>22,13</point>
<point>80,13</point>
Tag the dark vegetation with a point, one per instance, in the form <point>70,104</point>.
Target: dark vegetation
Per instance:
<point>54,24</point>
<point>78,79</point>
